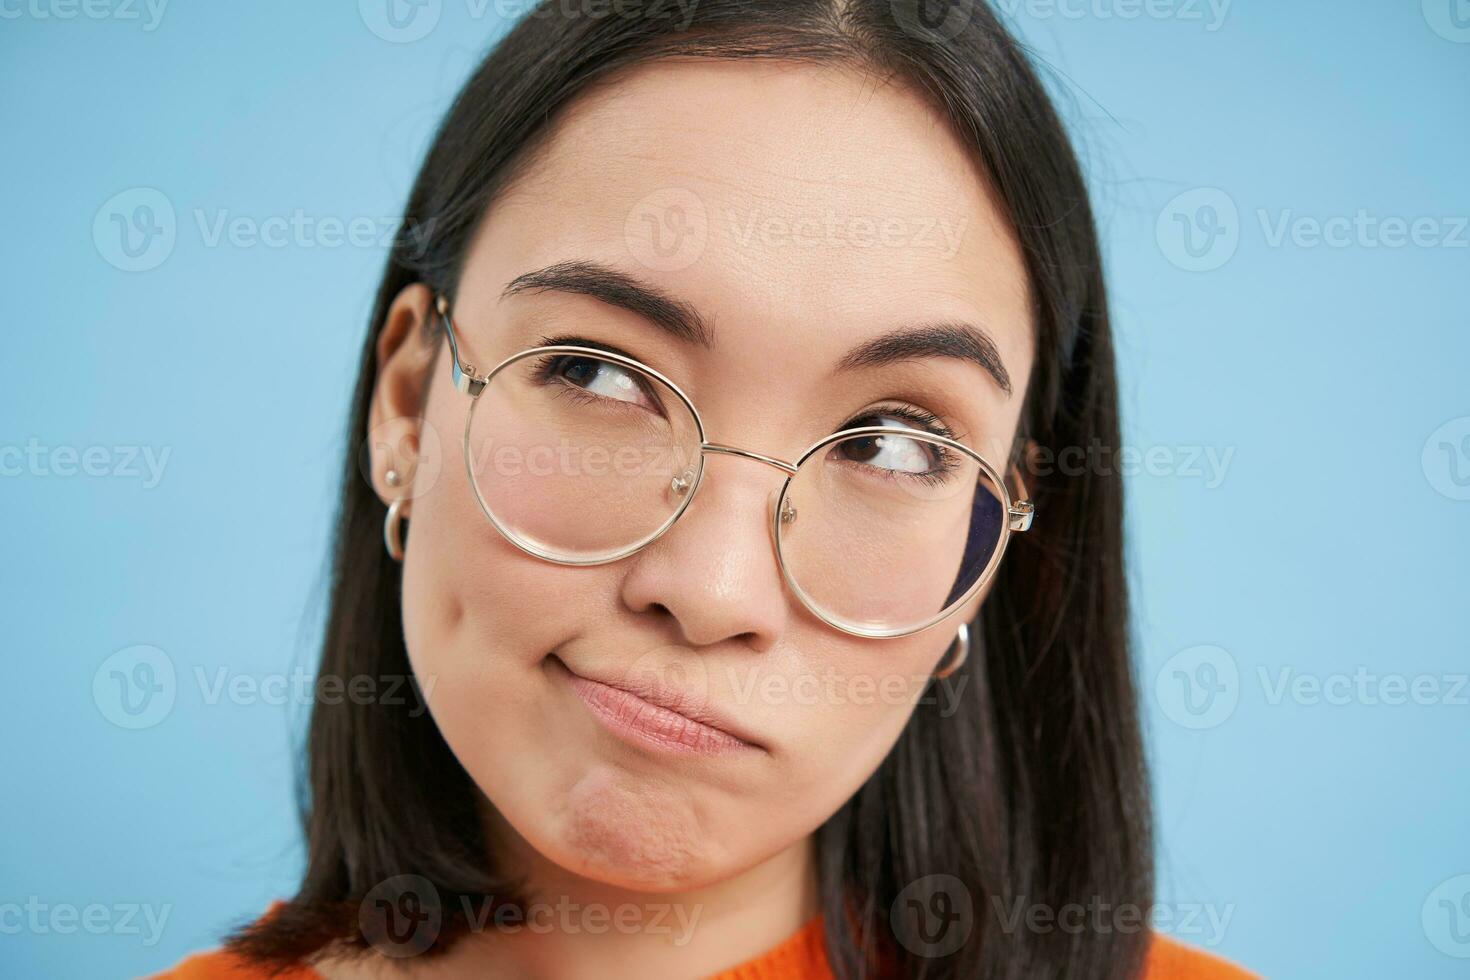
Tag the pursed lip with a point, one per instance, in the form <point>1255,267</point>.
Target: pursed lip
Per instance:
<point>657,714</point>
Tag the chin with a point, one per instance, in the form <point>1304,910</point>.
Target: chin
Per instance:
<point>622,830</point>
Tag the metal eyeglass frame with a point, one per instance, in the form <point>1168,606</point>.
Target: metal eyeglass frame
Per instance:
<point>1019,509</point>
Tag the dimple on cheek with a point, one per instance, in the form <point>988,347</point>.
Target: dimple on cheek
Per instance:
<point>468,590</point>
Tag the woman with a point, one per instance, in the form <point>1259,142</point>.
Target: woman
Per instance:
<point>840,712</point>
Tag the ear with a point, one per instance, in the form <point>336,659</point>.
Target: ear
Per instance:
<point>1022,509</point>
<point>395,423</point>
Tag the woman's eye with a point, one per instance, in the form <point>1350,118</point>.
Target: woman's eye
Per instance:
<point>602,378</point>
<point>896,452</point>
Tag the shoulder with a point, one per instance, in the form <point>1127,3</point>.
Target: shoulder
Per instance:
<point>222,964</point>
<point>1169,959</point>
<point>219,964</point>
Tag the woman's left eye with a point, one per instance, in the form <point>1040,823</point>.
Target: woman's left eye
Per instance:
<point>896,453</point>
<point>593,380</point>
<point>603,378</point>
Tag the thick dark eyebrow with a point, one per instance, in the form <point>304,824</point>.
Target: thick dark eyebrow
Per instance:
<point>619,289</point>
<point>954,339</point>
<point>948,339</point>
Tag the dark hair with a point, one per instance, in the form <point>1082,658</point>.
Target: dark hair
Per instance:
<point>1035,790</point>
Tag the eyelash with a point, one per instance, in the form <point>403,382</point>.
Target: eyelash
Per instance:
<point>946,460</point>
<point>919,418</point>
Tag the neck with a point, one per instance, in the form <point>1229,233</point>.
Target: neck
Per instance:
<point>576,927</point>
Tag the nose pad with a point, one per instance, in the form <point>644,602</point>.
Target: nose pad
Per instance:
<point>778,522</point>
<point>681,483</point>
<point>788,509</point>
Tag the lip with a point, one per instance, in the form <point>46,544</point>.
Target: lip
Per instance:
<point>658,717</point>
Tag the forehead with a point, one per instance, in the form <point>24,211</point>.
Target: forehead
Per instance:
<point>799,208</point>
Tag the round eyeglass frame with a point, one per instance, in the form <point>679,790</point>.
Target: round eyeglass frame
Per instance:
<point>1019,509</point>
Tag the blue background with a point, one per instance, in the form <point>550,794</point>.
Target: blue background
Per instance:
<point>1332,543</point>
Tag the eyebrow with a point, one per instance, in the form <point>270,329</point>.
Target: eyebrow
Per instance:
<point>964,341</point>
<point>619,289</point>
<point>953,339</point>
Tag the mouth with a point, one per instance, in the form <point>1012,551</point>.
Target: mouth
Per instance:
<point>656,717</point>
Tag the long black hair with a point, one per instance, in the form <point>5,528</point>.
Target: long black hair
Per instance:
<point>1034,792</point>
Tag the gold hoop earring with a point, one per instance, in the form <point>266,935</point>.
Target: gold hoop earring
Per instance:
<point>962,641</point>
<point>393,529</point>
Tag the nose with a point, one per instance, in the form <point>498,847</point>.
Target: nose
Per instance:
<point>714,573</point>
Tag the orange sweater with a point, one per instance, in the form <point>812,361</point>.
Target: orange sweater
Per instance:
<point>798,957</point>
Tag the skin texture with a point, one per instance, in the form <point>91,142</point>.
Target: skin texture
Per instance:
<point>789,273</point>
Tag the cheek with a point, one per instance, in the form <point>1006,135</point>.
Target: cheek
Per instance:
<point>837,705</point>
<point>473,603</point>
<point>469,593</point>
<point>478,614</point>
<point>850,711</point>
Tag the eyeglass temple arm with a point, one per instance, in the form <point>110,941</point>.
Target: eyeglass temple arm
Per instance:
<point>1022,510</point>
<point>463,374</point>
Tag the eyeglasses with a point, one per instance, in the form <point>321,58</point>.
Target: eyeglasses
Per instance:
<point>582,456</point>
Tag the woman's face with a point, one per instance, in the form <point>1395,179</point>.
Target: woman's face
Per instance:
<point>794,213</point>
